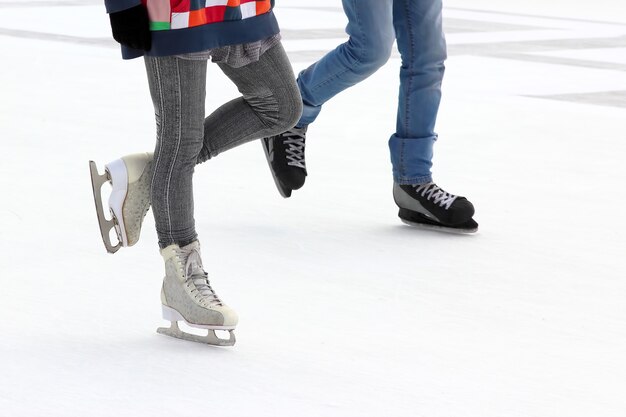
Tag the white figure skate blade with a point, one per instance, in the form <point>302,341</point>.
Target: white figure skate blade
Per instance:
<point>210,339</point>
<point>444,229</point>
<point>106,225</point>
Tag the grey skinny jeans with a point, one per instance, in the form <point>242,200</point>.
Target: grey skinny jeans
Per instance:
<point>270,104</point>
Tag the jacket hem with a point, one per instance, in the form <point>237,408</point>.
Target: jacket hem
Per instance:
<point>202,38</point>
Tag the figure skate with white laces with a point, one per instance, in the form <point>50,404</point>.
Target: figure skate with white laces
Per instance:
<point>187,296</point>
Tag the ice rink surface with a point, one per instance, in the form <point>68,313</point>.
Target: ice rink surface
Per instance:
<point>344,311</point>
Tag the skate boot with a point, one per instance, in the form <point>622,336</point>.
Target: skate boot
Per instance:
<point>129,201</point>
<point>187,295</point>
<point>285,156</point>
<point>429,207</point>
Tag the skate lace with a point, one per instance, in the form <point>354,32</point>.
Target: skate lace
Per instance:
<point>439,196</point>
<point>194,271</point>
<point>295,147</point>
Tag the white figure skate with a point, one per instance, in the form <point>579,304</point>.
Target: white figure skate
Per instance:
<point>187,296</point>
<point>129,201</point>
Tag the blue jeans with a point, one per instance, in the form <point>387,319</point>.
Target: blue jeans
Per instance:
<point>419,34</point>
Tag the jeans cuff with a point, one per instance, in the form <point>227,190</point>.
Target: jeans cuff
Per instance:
<point>415,180</point>
<point>309,114</point>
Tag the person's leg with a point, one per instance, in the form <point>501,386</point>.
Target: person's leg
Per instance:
<point>370,28</point>
<point>368,48</point>
<point>423,48</point>
<point>178,88</point>
<point>270,104</point>
<point>421,42</point>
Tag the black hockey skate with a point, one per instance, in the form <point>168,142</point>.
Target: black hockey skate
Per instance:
<point>285,156</point>
<point>429,207</point>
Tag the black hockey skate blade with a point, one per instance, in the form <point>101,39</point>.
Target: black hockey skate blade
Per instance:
<point>438,228</point>
<point>421,222</point>
<point>284,191</point>
<point>97,180</point>
<point>210,339</point>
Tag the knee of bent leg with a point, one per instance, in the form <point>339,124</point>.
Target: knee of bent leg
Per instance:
<point>288,105</point>
<point>290,109</point>
<point>280,109</point>
<point>371,53</point>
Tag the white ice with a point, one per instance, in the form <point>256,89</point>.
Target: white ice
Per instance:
<point>344,311</point>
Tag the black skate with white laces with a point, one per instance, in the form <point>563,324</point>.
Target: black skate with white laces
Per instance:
<point>285,156</point>
<point>430,207</point>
